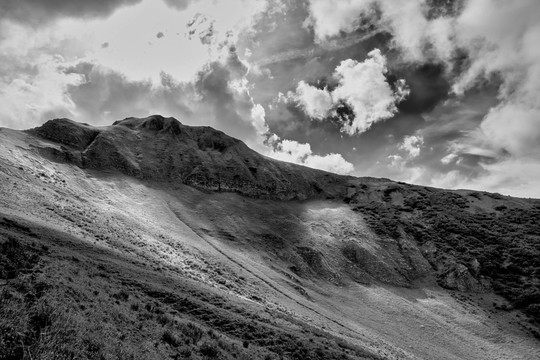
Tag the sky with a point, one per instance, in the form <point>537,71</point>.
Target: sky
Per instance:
<point>442,93</point>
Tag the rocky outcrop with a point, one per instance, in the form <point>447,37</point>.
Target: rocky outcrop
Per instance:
<point>457,276</point>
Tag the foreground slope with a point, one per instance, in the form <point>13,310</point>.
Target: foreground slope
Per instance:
<point>163,240</point>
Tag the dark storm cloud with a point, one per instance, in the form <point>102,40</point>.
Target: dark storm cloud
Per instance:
<point>42,11</point>
<point>106,95</point>
<point>229,108</point>
<point>37,12</point>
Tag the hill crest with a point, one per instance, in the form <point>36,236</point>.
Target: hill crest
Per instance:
<point>164,149</point>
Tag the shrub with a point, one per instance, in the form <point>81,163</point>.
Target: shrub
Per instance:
<point>121,295</point>
<point>191,331</point>
<point>209,350</point>
<point>170,338</point>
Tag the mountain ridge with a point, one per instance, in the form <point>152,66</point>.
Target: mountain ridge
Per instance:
<point>197,156</point>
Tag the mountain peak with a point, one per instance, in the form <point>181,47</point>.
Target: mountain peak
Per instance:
<point>67,132</point>
<point>162,148</point>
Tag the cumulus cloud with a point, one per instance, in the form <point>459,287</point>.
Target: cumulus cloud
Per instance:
<point>301,153</point>
<point>362,86</point>
<point>493,42</point>
<point>315,102</point>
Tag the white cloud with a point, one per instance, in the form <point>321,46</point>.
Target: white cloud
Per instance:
<point>298,153</point>
<point>396,160</point>
<point>36,96</point>
<point>412,145</point>
<point>363,86</point>
<point>329,17</point>
<point>135,51</point>
<point>447,159</point>
<point>258,119</point>
<point>315,102</point>
<point>513,127</point>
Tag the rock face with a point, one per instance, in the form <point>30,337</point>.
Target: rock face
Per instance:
<point>163,149</point>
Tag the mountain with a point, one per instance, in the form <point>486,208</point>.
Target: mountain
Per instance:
<point>161,148</point>
<point>152,239</point>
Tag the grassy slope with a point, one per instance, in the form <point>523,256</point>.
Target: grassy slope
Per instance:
<point>494,238</point>
<point>125,266</point>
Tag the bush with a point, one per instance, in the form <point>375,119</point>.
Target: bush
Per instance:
<point>121,295</point>
<point>191,331</point>
<point>170,338</point>
<point>209,350</point>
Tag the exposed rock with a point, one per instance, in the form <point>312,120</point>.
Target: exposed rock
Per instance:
<point>458,277</point>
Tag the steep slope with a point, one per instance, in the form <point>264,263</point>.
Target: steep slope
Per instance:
<point>154,216</point>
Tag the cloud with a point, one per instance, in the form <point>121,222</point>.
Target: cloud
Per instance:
<point>412,145</point>
<point>315,102</point>
<point>116,65</point>
<point>414,31</point>
<point>35,93</point>
<point>36,12</point>
<point>179,4</point>
<point>447,159</point>
<point>258,119</point>
<point>106,95</point>
<point>301,153</point>
<point>362,86</point>
<point>329,18</point>
<point>480,42</point>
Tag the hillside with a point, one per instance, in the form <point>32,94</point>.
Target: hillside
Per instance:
<point>152,239</point>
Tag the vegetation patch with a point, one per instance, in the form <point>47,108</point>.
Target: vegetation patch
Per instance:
<point>501,245</point>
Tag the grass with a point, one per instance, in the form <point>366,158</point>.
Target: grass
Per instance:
<point>56,308</point>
